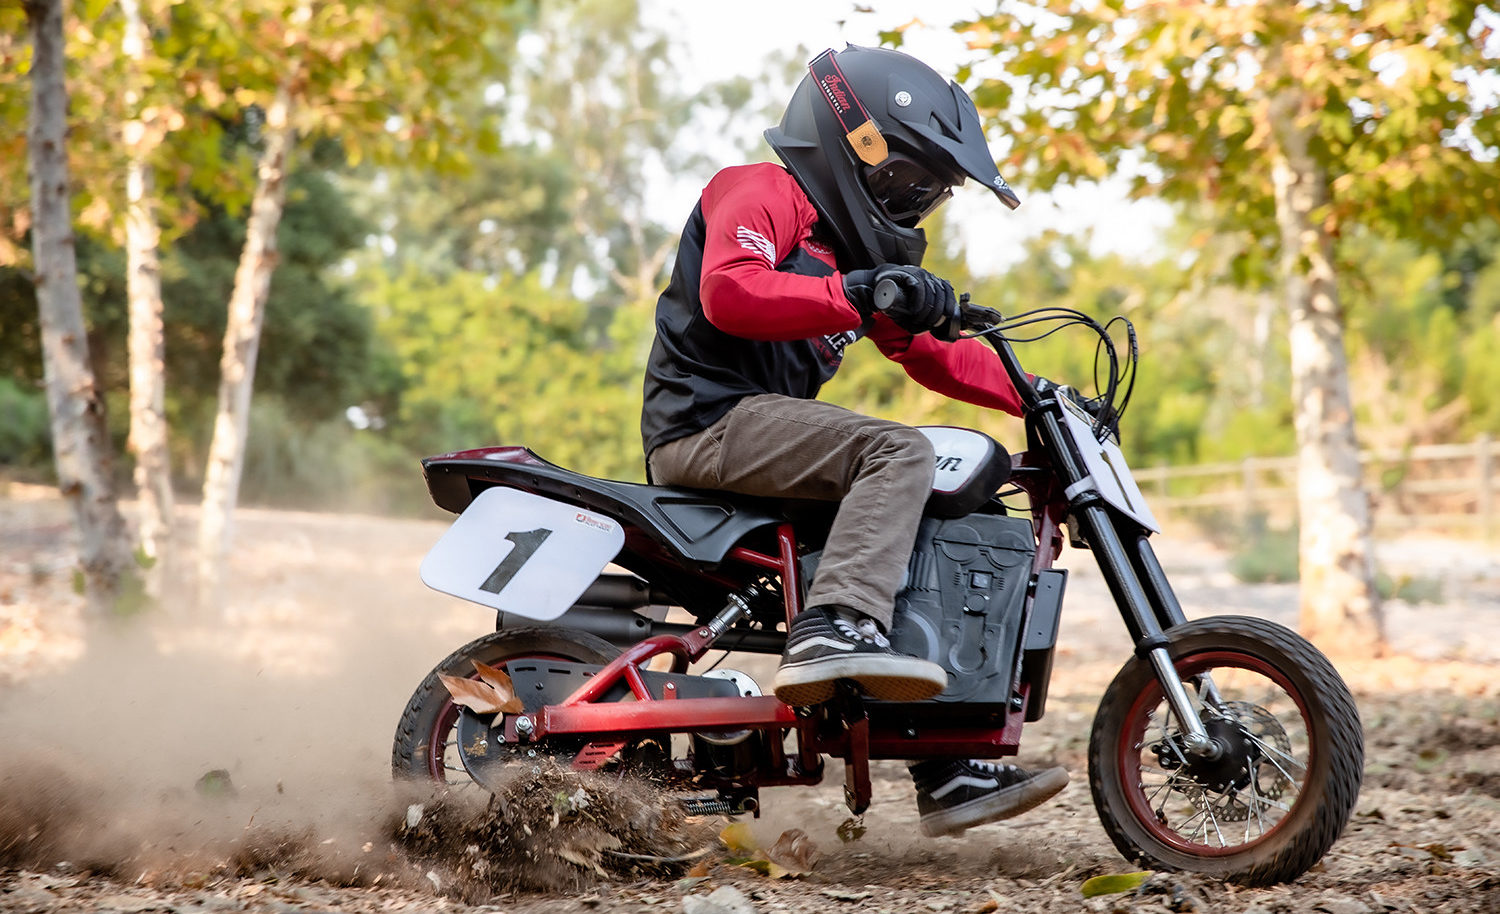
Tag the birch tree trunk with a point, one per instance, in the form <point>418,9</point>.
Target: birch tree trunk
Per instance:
<point>80,443</point>
<point>247,306</point>
<point>1340,609</point>
<point>148,419</point>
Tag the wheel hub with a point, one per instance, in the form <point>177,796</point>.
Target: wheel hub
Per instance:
<point>1230,769</point>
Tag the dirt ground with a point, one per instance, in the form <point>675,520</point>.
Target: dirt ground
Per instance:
<point>240,763</point>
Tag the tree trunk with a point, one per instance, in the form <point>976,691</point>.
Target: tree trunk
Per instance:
<point>1340,609</point>
<point>148,419</point>
<point>80,442</point>
<point>252,282</point>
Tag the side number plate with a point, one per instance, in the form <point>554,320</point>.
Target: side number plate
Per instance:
<point>1106,465</point>
<point>522,553</point>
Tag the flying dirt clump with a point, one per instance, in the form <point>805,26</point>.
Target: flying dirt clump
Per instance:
<point>550,829</point>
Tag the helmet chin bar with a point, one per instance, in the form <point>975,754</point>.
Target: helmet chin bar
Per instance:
<point>878,239</point>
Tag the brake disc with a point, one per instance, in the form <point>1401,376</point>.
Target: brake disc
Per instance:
<point>1221,786</point>
<point>1270,782</point>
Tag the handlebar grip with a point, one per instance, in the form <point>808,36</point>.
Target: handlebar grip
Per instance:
<point>887,293</point>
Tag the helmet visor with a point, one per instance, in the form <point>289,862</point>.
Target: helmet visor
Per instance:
<point>907,191</point>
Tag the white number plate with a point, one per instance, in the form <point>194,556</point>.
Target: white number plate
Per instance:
<point>1106,466</point>
<point>522,553</point>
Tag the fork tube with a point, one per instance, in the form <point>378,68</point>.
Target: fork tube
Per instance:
<point>1103,539</point>
<point>1168,610</point>
<point>1125,585</point>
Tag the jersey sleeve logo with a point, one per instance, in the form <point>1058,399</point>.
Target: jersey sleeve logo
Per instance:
<point>752,240</point>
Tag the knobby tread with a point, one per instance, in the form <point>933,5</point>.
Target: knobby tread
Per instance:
<point>1334,728</point>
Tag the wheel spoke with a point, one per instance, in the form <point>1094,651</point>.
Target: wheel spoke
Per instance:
<point>1215,822</point>
<point>1267,802</point>
<point>1169,785</point>
<point>1255,807</point>
<point>1189,820</point>
<point>1238,698</point>
<point>1274,706</point>
<point>1272,751</point>
<point>1152,769</point>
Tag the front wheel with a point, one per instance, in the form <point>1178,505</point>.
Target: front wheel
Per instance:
<point>1282,786</point>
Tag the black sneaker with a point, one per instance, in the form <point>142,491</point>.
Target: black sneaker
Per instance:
<point>953,795</point>
<point>825,646</point>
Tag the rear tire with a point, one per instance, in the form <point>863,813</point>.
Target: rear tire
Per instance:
<point>425,746</point>
<point>1282,793</point>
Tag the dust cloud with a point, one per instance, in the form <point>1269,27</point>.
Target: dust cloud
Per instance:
<point>138,762</point>
<point>183,746</point>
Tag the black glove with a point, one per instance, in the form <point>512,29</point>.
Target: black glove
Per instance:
<point>926,303</point>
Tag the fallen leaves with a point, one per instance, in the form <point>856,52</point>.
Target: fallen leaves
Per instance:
<point>491,693</point>
<point>795,851</point>
<point>793,854</point>
<point>215,784</point>
<point>1113,883</point>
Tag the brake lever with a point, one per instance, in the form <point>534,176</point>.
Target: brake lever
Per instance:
<point>978,317</point>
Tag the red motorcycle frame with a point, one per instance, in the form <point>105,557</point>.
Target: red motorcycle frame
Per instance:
<point>839,729</point>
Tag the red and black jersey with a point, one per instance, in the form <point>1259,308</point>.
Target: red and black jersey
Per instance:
<point>756,305</point>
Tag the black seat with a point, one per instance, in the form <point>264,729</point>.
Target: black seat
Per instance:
<point>699,527</point>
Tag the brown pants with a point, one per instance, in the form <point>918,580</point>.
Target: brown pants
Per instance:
<point>879,471</point>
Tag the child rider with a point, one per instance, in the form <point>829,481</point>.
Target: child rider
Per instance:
<point>774,277</point>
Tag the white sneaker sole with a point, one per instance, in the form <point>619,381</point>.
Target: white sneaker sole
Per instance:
<point>887,678</point>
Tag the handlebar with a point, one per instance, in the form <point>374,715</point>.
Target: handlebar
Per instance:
<point>971,317</point>
<point>887,293</point>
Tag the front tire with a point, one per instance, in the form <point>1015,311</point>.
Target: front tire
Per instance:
<point>1282,791</point>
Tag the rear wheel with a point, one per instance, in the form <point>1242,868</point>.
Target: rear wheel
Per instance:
<point>1281,789</point>
<point>426,744</point>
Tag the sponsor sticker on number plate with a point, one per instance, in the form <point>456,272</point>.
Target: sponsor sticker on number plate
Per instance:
<point>522,553</point>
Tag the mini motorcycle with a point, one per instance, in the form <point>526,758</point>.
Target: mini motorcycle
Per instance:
<point>1227,745</point>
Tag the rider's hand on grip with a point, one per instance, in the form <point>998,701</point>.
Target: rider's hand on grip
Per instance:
<point>915,299</point>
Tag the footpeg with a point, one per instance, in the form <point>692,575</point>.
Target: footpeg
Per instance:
<point>719,805</point>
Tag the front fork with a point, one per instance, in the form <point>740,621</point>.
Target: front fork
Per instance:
<point>1136,581</point>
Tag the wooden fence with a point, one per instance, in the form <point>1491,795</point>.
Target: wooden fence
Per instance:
<point>1440,487</point>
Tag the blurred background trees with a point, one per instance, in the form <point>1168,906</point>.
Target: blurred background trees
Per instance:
<point>471,240</point>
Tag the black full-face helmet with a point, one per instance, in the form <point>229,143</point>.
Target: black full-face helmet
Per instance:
<point>871,192</point>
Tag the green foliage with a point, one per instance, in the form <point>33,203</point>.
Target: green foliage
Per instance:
<point>319,353</point>
<point>1409,588</point>
<point>25,432</point>
<point>1265,555</point>
<point>1423,336</point>
<point>1395,95</point>
<point>511,361</point>
<point>1196,396</point>
<point>21,341</point>
<point>1113,883</point>
<point>291,462</point>
<point>587,111</point>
